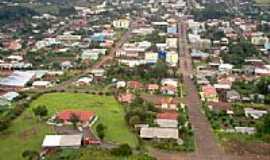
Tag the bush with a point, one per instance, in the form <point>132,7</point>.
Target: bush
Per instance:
<point>122,150</point>
<point>4,124</point>
<point>100,130</point>
<point>40,111</point>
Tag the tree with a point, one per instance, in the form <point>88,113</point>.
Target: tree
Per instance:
<point>31,155</point>
<point>263,85</point>
<point>3,125</point>
<point>100,130</point>
<point>134,120</point>
<point>40,111</point>
<point>263,127</point>
<point>160,69</point>
<point>74,119</point>
<point>239,52</point>
<point>122,150</point>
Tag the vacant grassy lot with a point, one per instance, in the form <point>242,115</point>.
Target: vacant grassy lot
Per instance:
<point>27,132</point>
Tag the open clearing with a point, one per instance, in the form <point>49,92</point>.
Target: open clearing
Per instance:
<point>26,132</point>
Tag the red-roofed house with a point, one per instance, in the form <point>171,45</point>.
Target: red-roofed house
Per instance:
<point>134,85</point>
<point>152,87</point>
<point>84,116</point>
<point>168,115</point>
<point>14,45</point>
<point>167,103</point>
<point>167,119</point>
<point>209,92</point>
<point>126,98</point>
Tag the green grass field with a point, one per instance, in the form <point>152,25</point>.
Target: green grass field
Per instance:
<point>26,132</point>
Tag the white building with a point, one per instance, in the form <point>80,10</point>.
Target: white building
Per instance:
<point>172,58</point>
<point>41,84</point>
<point>254,113</point>
<point>51,141</point>
<point>160,133</point>
<point>172,42</point>
<point>151,57</point>
<point>121,23</point>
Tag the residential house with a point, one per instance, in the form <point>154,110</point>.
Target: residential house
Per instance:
<point>134,85</point>
<point>254,113</point>
<point>84,81</point>
<point>221,87</point>
<point>167,119</point>
<point>126,98</point>
<point>85,117</point>
<point>169,81</point>
<point>220,107</point>
<point>259,39</point>
<point>232,96</point>
<point>4,102</point>
<point>121,23</point>
<point>69,38</point>
<point>131,62</point>
<point>151,57</point>
<point>160,133</point>
<point>209,92</point>
<point>167,103</point>
<point>199,55</point>
<point>225,67</point>
<point>152,87</point>
<point>120,84</point>
<point>10,96</point>
<point>92,54</point>
<point>98,72</point>
<point>245,130</point>
<point>168,90</point>
<point>17,80</point>
<point>172,43</point>
<point>41,84</point>
<point>66,141</point>
<point>172,58</point>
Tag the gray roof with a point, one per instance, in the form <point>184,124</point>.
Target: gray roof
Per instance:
<point>161,133</point>
<point>10,96</point>
<point>17,79</point>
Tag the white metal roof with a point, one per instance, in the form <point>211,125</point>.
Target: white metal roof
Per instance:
<point>167,123</point>
<point>62,141</point>
<point>10,95</point>
<point>17,78</point>
<point>162,133</point>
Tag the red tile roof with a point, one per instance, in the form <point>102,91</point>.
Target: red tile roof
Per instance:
<point>169,88</point>
<point>84,116</point>
<point>126,97</point>
<point>168,100</point>
<point>168,115</point>
<point>135,84</point>
<point>209,90</point>
<point>220,105</point>
<point>152,86</point>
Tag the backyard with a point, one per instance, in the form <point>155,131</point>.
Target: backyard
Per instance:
<point>27,132</point>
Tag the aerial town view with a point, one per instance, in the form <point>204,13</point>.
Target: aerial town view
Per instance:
<point>134,79</point>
